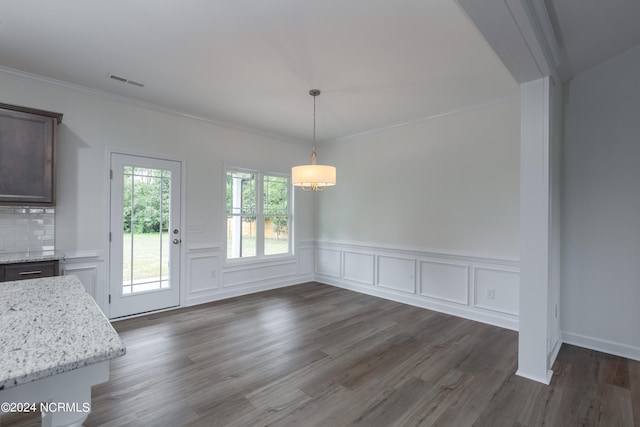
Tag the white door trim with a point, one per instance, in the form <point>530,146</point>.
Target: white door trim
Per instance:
<point>105,285</point>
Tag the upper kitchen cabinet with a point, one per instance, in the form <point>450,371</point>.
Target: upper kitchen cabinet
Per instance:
<point>27,156</point>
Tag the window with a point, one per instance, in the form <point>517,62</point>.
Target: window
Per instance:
<point>258,214</point>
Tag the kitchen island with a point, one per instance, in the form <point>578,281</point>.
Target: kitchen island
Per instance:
<point>55,344</point>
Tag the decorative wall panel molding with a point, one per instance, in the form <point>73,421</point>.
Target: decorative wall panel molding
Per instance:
<point>246,274</point>
<point>89,268</point>
<point>444,280</point>
<point>201,276</point>
<point>328,261</point>
<point>203,272</point>
<point>305,253</point>
<point>207,278</point>
<point>497,289</point>
<point>476,288</point>
<point>359,267</point>
<point>396,273</point>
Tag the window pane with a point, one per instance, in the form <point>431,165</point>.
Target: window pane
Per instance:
<point>276,235</point>
<point>241,193</point>
<point>276,198</point>
<point>241,236</point>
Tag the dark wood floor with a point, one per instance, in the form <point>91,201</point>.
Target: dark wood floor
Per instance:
<point>315,355</point>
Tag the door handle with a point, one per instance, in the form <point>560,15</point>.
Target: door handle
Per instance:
<point>176,241</point>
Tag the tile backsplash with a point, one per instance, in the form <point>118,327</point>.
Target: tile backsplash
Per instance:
<point>27,229</point>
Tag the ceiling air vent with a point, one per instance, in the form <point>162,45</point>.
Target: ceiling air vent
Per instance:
<point>123,80</point>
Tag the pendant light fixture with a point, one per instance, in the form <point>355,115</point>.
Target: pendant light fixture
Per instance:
<point>313,177</point>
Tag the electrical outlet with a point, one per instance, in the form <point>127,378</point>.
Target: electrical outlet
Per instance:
<point>491,293</point>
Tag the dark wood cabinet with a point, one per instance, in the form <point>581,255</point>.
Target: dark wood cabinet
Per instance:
<point>29,270</point>
<point>27,156</point>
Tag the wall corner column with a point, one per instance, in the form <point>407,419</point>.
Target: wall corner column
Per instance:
<point>535,231</point>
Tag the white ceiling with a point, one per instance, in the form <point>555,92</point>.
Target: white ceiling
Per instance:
<point>251,63</point>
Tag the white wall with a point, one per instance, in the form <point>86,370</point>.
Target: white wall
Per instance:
<point>91,123</point>
<point>428,213</point>
<point>447,184</point>
<point>601,208</point>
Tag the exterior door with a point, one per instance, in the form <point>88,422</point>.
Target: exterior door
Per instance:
<point>145,234</point>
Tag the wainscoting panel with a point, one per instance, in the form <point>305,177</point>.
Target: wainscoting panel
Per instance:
<point>202,273</point>
<point>476,288</point>
<point>359,267</point>
<point>445,281</point>
<point>88,275</point>
<point>207,278</point>
<point>328,262</point>
<point>88,268</point>
<point>397,273</point>
<point>246,274</point>
<point>497,289</point>
<point>305,260</point>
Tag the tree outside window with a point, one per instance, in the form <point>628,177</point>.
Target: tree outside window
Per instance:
<point>258,214</point>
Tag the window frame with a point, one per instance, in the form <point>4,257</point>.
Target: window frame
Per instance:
<point>260,215</point>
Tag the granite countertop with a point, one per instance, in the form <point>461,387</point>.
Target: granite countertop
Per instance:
<point>32,256</point>
<point>49,326</point>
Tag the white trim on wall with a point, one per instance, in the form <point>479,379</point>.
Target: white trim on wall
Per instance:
<point>88,267</point>
<point>205,278</point>
<point>535,225</point>
<point>438,281</point>
<point>208,279</point>
<point>138,103</point>
<point>610,347</point>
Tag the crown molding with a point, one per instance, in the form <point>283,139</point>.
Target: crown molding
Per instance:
<point>521,34</point>
<point>451,112</point>
<point>155,107</point>
<point>541,23</point>
<point>142,104</point>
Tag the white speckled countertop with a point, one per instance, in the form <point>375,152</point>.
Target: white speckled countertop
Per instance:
<point>49,326</point>
<point>32,256</point>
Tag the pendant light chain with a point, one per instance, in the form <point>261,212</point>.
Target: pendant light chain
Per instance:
<point>314,157</point>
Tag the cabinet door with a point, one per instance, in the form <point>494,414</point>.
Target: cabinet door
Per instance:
<point>27,159</point>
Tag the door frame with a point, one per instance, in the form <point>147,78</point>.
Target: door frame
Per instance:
<point>106,248</point>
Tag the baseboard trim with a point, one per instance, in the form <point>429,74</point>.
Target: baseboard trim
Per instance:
<point>491,318</point>
<point>604,346</point>
<point>231,292</point>
<point>544,380</point>
<point>554,352</point>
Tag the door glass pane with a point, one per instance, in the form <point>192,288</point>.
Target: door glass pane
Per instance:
<point>146,236</point>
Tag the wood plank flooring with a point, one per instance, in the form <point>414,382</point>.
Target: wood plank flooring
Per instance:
<point>315,355</point>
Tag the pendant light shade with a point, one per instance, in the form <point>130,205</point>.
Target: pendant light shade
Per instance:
<point>313,177</point>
